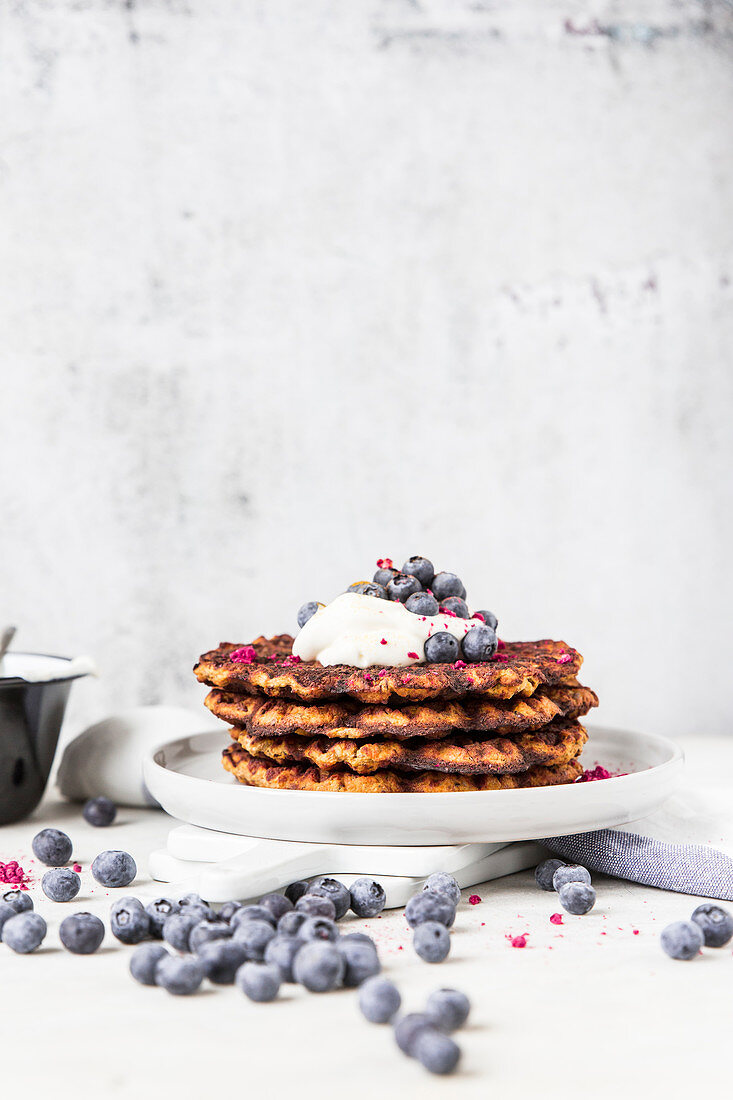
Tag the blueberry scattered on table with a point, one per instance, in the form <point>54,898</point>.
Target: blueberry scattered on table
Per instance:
<point>144,962</point>
<point>158,911</point>
<point>306,612</point>
<point>281,952</point>
<point>52,847</point>
<point>254,936</point>
<point>683,939</point>
<point>577,897</point>
<point>441,648</point>
<point>358,937</point>
<point>99,812</point>
<point>114,869</point>
<point>361,959</point>
<point>379,1000</point>
<point>430,905</point>
<point>128,921</point>
<point>420,567</point>
<point>448,1009</point>
<point>367,897</point>
<point>61,884</point>
<point>715,922</point>
<point>318,928</point>
<point>431,941</point>
<point>291,923</point>
<point>259,981</point>
<point>81,933</point>
<point>335,891</point>
<point>316,905</point>
<point>252,912</point>
<point>319,966</point>
<point>295,890</point>
<point>570,872</point>
<point>456,606</point>
<point>487,617</point>
<point>6,912</point>
<point>192,900</point>
<point>401,586</point>
<point>24,932</point>
<point>181,977</point>
<point>437,1052</point>
<point>221,959</point>
<point>277,904</point>
<point>177,929</point>
<point>422,603</point>
<point>447,584</point>
<point>440,882</point>
<point>19,901</point>
<point>206,931</point>
<point>407,1028</point>
<point>544,872</point>
<point>479,644</point>
<point>228,910</point>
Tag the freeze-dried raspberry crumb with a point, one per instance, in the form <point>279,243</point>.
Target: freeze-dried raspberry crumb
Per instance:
<point>445,611</point>
<point>474,899</point>
<point>519,941</point>
<point>556,918</point>
<point>293,659</point>
<point>13,874</point>
<point>501,657</point>
<point>382,641</point>
<point>563,658</point>
<point>382,672</point>
<point>384,563</point>
<point>412,655</point>
<point>76,867</point>
<point>404,679</point>
<point>245,655</point>
<point>368,677</point>
<point>500,644</point>
<point>592,775</point>
<point>459,664</point>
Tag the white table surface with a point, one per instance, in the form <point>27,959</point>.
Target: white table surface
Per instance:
<point>589,1008</point>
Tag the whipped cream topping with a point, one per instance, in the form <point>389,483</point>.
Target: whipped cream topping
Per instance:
<point>364,631</point>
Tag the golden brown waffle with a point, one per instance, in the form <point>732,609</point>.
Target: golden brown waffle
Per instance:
<point>557,743</point>
<point>519,669</point>
<point>263,717</point>
<point>259,772</point>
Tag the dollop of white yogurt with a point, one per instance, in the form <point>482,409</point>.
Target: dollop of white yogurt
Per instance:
<point>364,631</point>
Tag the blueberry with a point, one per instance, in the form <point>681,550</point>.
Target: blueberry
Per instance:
<point>362,961</point>
<point>401,587</point>
<point>99,811</point>
<point>544,871</point>
<point>221,959</point>
<point>306,612</point>
<point>295,890</point>
<point>6,912</point>
<point>367,897</point>
<point>430,906</point>
<point>189,900</point>
<point>440,882</point>
<point>24,932</point>
<point>448,1009</point>
<point>144,962</point>
<point>577,897</point>
<point>479,643</point>
<point>437,1052</point>
<point>358,937</point>
<point>407,1029</point>
<point>716,924</point>
<point>81,933</point>
<point>228,909</point>
<point>384,576</point>
<point>52,847</point>
<point>335,891</point>
<point>177,928</point>
<point>252,912</point>
<point>128,921</point>
<point>316,905</point>
<point>318,966</point>
<point>431,941</point>
<point>682,939</point>
<point>379,1000</point>
<point>281,952</point>
<point>570,872</point>
<point>291,923</point>
<point>114,869</point>
<point>19,901</point>
<point>277,904</point>
<point>206,931</point>
<point>158,911</point>
<point>259,981</point>
<point>179,976</point>
<point>487,617</point>
<point>60,884</point>
<point>441,648</point>
<point>456,605</point>
<point>422,603</point>
<point>447,584</point>
<point>318,928</point>
<point>420,568</point>
<point>254,936</point>
<point>369,588</point>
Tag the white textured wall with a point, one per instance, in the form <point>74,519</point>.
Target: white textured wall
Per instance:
<point>285,287</point>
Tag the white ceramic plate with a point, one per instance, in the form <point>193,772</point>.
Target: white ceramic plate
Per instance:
<point>187,779</point>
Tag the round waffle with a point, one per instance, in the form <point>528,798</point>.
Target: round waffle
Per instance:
<point>263,717</point>
<point>556,744</point>
<point>270,669</point>
<point>260,772</point>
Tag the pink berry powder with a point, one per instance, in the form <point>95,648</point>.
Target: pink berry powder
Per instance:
<point>592,775</point>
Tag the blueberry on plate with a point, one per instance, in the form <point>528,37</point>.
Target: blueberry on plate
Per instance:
<point>128,921</point>
<point>258,981</point>
<point>277,904</point>
<point>447,584</point>
<point>407,1029</point>
<point>335,891</point>
<point>379,1000</point>
<point>440,882</point>
<point>181,977</point>
<point>253,912</point>
<point>422,603</point>
<point>421,568</point>
<point>295,890</point>
<point>431,941</point>
<point>577,897</point>
<point>52,847</point>
<point>81,933</point>
<point>361,959</point>
<point>683,939</point>
<point>448,1009</point>
<point>99,812</point>
<point>19,901</point>
<point>114,869</point>
<point>487,617</point>
<point>402,586</point>
<point>715,922</point>
<point>368,588</point>
<point>479,644</point>
<point>281,952</point>
<point>61,884</point>
<point>544,871</point>
<point>254,936</point>
<point>367,897</point>
<point>316,905</point>
<point>206,931</point>
<point>441,648</point>
<point>319,966</point>
<point>221,959</point>
<point>6,912</point>
<point>430,905</point>
<point>24,932</point>
<point>318,928</point>
<point>144,961</point>
<point>158,911</point>
<point>437,1052</point>
<point>456,606</point>
<point>384,576</point>
<point>307,611</point>
<point>570,872</point>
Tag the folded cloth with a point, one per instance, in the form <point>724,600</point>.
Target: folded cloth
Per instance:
<point>686,846</point>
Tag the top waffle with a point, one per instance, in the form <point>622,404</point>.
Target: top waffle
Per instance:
<point>519,669</point>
